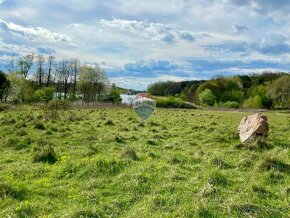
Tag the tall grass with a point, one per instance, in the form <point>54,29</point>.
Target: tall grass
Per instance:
<point>104,162</point>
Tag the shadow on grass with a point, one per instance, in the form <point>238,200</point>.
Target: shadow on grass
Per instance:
<point>7,190</point>
<point>218,179</point>
<point>262,192</point>
<point>47,155</point>
<point>275,164</point>
<point>259,145</point>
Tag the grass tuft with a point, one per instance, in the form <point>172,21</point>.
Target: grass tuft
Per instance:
<point>130,153</point>
<point>247,209</point>
<point>220,163</point>
<point>152,142</point>
<point>86,213</point>
<point>258,145</point>
<point>47,155</point>
<point>205,213</point>
<point>94,149</point>
<point>109,123</point>
<point>209,191</point>
<point>7,191</point>
<point>110,166</point>
<point>119,139</point>
<point>261,191</point>
<point>16,143</point>
<point>21,132</point>
<point>39,126</point>
<point>218,179</point>
<point>275,178</point>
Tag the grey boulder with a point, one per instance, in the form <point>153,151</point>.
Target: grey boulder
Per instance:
<point>253,126</point>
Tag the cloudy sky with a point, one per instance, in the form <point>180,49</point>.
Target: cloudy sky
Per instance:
<point>142,41</point>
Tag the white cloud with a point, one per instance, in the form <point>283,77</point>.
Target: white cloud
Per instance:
<point>149,30</point>
<point>8,50</point>
<point>141,83</point>
<point>173,30</point>
<point>32,33</point>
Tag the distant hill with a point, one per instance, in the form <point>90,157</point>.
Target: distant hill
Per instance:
<point>266,90</point>
<point>126,91</point>
<point>120,89</point>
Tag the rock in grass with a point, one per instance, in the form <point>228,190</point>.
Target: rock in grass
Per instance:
<point>47,155</point>
<point>253,126</point>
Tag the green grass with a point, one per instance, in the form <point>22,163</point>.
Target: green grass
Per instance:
<point>107,163</point>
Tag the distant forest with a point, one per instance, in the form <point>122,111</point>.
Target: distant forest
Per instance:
<point>36,78</point>
<point>267,90</point>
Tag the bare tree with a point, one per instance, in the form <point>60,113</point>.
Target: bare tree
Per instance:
<point>25,63</point>
<point>50,63</point>
<point>64,71</point>
<point>11,65</point>
<point>58,79</point>
<point>40,69</point>
<point>75,67</point>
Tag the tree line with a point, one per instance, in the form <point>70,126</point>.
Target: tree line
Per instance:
<point>34,78</point>
<point>266,90</point>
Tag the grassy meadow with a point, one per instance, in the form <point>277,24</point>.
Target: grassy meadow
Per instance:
<point>107,163</point>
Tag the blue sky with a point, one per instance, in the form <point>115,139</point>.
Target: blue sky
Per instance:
<point>140,42</point>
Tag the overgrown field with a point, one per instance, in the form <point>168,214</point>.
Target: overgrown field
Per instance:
<point>179,163</point>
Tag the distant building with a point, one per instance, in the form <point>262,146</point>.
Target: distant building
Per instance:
<point>127,98</point>
<point>131,92</point>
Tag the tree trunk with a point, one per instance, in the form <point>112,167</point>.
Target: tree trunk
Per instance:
<point>75,82</point>
<point>49,75</point>
<point>40,77</point>
<point>65,88</point>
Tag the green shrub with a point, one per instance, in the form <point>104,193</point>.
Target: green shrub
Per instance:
<point>255,102</point>
<point>44,94</point>
<point>58,104</point>
<point>114,96</point>
<point>172,102</point>
<point>232,104</point>
<point>206,97</point>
